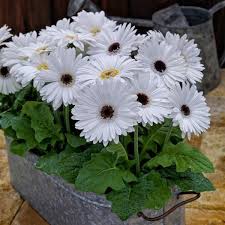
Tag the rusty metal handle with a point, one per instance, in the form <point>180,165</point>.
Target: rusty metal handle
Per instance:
<point>197,195</point>
<point>217,7</point>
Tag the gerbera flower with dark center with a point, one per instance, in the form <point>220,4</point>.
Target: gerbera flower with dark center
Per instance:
<point>8,84</point>
<point>120,42</point>
<point>60,79</point>
<point>189,109</point>
<point>152,94</point>
<point>164,61</point>
<point>105,111</point>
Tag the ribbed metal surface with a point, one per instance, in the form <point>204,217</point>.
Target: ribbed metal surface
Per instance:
<point>60,204</point>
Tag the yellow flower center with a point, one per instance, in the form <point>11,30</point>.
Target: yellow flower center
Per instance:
<point>42,49</point>
<point>42,66</point>
<point>109,73</point>
<point>95,30</point>
<point>71,36</point>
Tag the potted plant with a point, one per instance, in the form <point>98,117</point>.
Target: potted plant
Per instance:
<point>101,115</point>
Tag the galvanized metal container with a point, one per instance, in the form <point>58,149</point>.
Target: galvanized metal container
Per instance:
<point>60,204</point>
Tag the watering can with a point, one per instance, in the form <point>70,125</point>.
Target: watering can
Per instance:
<point>196,22</point>
<point>198,25</point>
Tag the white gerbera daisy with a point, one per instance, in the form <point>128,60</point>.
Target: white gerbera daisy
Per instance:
<point>4,34</point>
<point>105,67</point>
<point>155,36</point>
<point>13,55</point>
<point>60,24</point>
<point>38,48</point>
<point>64,34</point>
<point>32,70</point>
<point>93,23</point>
<point>8,84</point>
<point>191,52</point>
<point>105,111</point>
<point>153,96</point>
<point>189,109</point>
<point>142,38</point>
<point>120,42</point>
<point>163,60</point>
<point>61,77</point>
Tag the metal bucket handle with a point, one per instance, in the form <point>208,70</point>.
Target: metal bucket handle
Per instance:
<point>212,11</point>
<point>197,195</point>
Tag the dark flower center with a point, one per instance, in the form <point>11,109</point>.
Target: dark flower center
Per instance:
<point>143,98</point>
<point>107,112</point>
<point>160,66</point>
<point>4,71</point>
<point>115,47</point>
<point>66,79</point>
<point>185,110</point>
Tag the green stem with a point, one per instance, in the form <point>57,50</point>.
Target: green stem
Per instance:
<point>67,118</point>
<point>168,135</point>
<point>136,152</point>
<point>57,117</point>
<point>146,147</point>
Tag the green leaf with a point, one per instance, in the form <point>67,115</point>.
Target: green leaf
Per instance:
<point>9,132</point>
<point>118,149</point>
<point>6,120</point>
<point>18,148</point>
<point>157,134</point>
<point>75,141</point>
<point>187,181</point>
<point>65,164</point>
<point>184,156</point>
<point>128,201</point>
<point>21,97</point>
<point>195,182</point>
<point>42,120</point>
<point>101,173</point>
<point>44,144</point>
<point>160,192</point>
<point>151,191</point>
<point>22,127</point>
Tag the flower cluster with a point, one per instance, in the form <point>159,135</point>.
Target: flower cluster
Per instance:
<point>114,77</point>
<point>88,80</point>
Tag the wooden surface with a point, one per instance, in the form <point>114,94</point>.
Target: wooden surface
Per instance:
<point>27,15</point>
<point>208,210</point>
